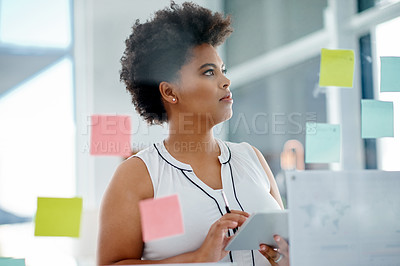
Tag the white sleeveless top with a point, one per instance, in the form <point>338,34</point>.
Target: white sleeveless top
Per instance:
<point>244,182</point>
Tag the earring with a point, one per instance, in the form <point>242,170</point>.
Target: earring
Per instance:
<point>173,99</point>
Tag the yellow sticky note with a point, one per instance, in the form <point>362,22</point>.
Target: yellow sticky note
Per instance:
<point>58,217</point>
<point>337,68</point>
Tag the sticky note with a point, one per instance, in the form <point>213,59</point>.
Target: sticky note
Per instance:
<point>58,217</point>
<point>110,135</point>
<point>161,217</point>
<point>322,143</point>
<point>390,74</point>
<point>376,119</point>
<point>336,68</point>
<point>12,262</point>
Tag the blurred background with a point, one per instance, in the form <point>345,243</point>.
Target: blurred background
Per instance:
<point>59,64</point>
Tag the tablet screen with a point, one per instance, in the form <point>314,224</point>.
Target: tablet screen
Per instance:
<point>260,228</point>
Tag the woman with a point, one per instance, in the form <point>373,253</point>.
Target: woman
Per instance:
<point>175,75</point>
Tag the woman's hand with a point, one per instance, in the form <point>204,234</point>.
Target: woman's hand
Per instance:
<point>213,247</point>
<point>278,256</point>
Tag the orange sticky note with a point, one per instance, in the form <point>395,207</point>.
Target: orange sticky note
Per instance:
<point>161,217</point>
<point>110,135</point>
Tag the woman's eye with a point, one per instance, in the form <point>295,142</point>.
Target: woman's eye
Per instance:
<point>209,72</point>
<point>224,71</point>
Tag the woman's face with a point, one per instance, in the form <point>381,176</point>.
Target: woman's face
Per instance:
<point>203,89</point>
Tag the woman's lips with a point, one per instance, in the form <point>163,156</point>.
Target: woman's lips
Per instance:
<point>227,98</point>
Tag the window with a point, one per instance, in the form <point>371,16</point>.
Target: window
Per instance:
<point>261,26</point>
<point>387,44</point>
<point>363,5</point>
<point>261,71</point>
<point>44,23</point>
<point>37,139</point>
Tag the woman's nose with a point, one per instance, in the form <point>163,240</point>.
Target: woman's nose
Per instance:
<point>225,83</point>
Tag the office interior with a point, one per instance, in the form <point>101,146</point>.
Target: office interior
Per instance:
<point>59,64</point>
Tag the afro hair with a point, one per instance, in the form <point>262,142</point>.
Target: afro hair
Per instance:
<point>157,49</point>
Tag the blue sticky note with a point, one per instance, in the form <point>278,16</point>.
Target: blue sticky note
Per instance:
<point>390,74</point>
<point>376,119</point>
<point>12,262</point>
<point>322,143</point>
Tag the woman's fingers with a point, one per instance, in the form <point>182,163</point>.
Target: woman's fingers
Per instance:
<point>271,254</point>
<point>238,216</point>
<point>279,256</point>
<point>213,247</point>
<point>241,213</point>
<point>225,224</point>
<point>283,246</point>
<point>229,221</point>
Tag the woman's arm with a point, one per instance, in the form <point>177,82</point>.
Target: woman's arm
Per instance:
<point>274,187</point>
<point>120,236</point>
<point>280,256</point>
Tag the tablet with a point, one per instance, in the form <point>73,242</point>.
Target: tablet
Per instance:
<point>260,228</point>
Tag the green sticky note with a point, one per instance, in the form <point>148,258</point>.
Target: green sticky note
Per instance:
<point>58,217</point>
<point>376,119</point>
<point>12,262</point>
<point>390,74</point>
<point>322,143</point>
<point>337,68</point>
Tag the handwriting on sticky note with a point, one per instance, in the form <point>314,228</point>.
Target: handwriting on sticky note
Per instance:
<point>390,74</point>
<point>322,143</point>
<point>110,135</point>
<point>58,217</point>
<point>161,217</point>
<point>376,119</point>
<point>337,68</point>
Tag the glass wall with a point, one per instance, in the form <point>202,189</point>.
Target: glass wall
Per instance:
<point>275,52</point>
<point>261,26</point>
<point>272,110</point>
<point>37,139</point>
<point>42,23</point>
<point>387,44</point>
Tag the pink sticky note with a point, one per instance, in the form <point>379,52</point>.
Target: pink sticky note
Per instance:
<point>161,217</point>
<point>111,135</point>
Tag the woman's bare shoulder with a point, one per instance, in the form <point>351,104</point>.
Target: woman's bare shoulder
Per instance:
<point>120,235</point>
<point>132,177</point>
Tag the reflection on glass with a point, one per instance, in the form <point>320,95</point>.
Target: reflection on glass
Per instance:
<point>37,158</point>
<point>363,5</point>
<point>263,26</point>
<point>387,44</point>
<point>270,111</point>
<point>385,2</point>
<point>37,140</point>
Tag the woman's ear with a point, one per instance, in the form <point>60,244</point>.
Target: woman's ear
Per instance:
<point>167,91</point>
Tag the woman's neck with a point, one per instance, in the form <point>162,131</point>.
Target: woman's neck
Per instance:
<point>190,139</point>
